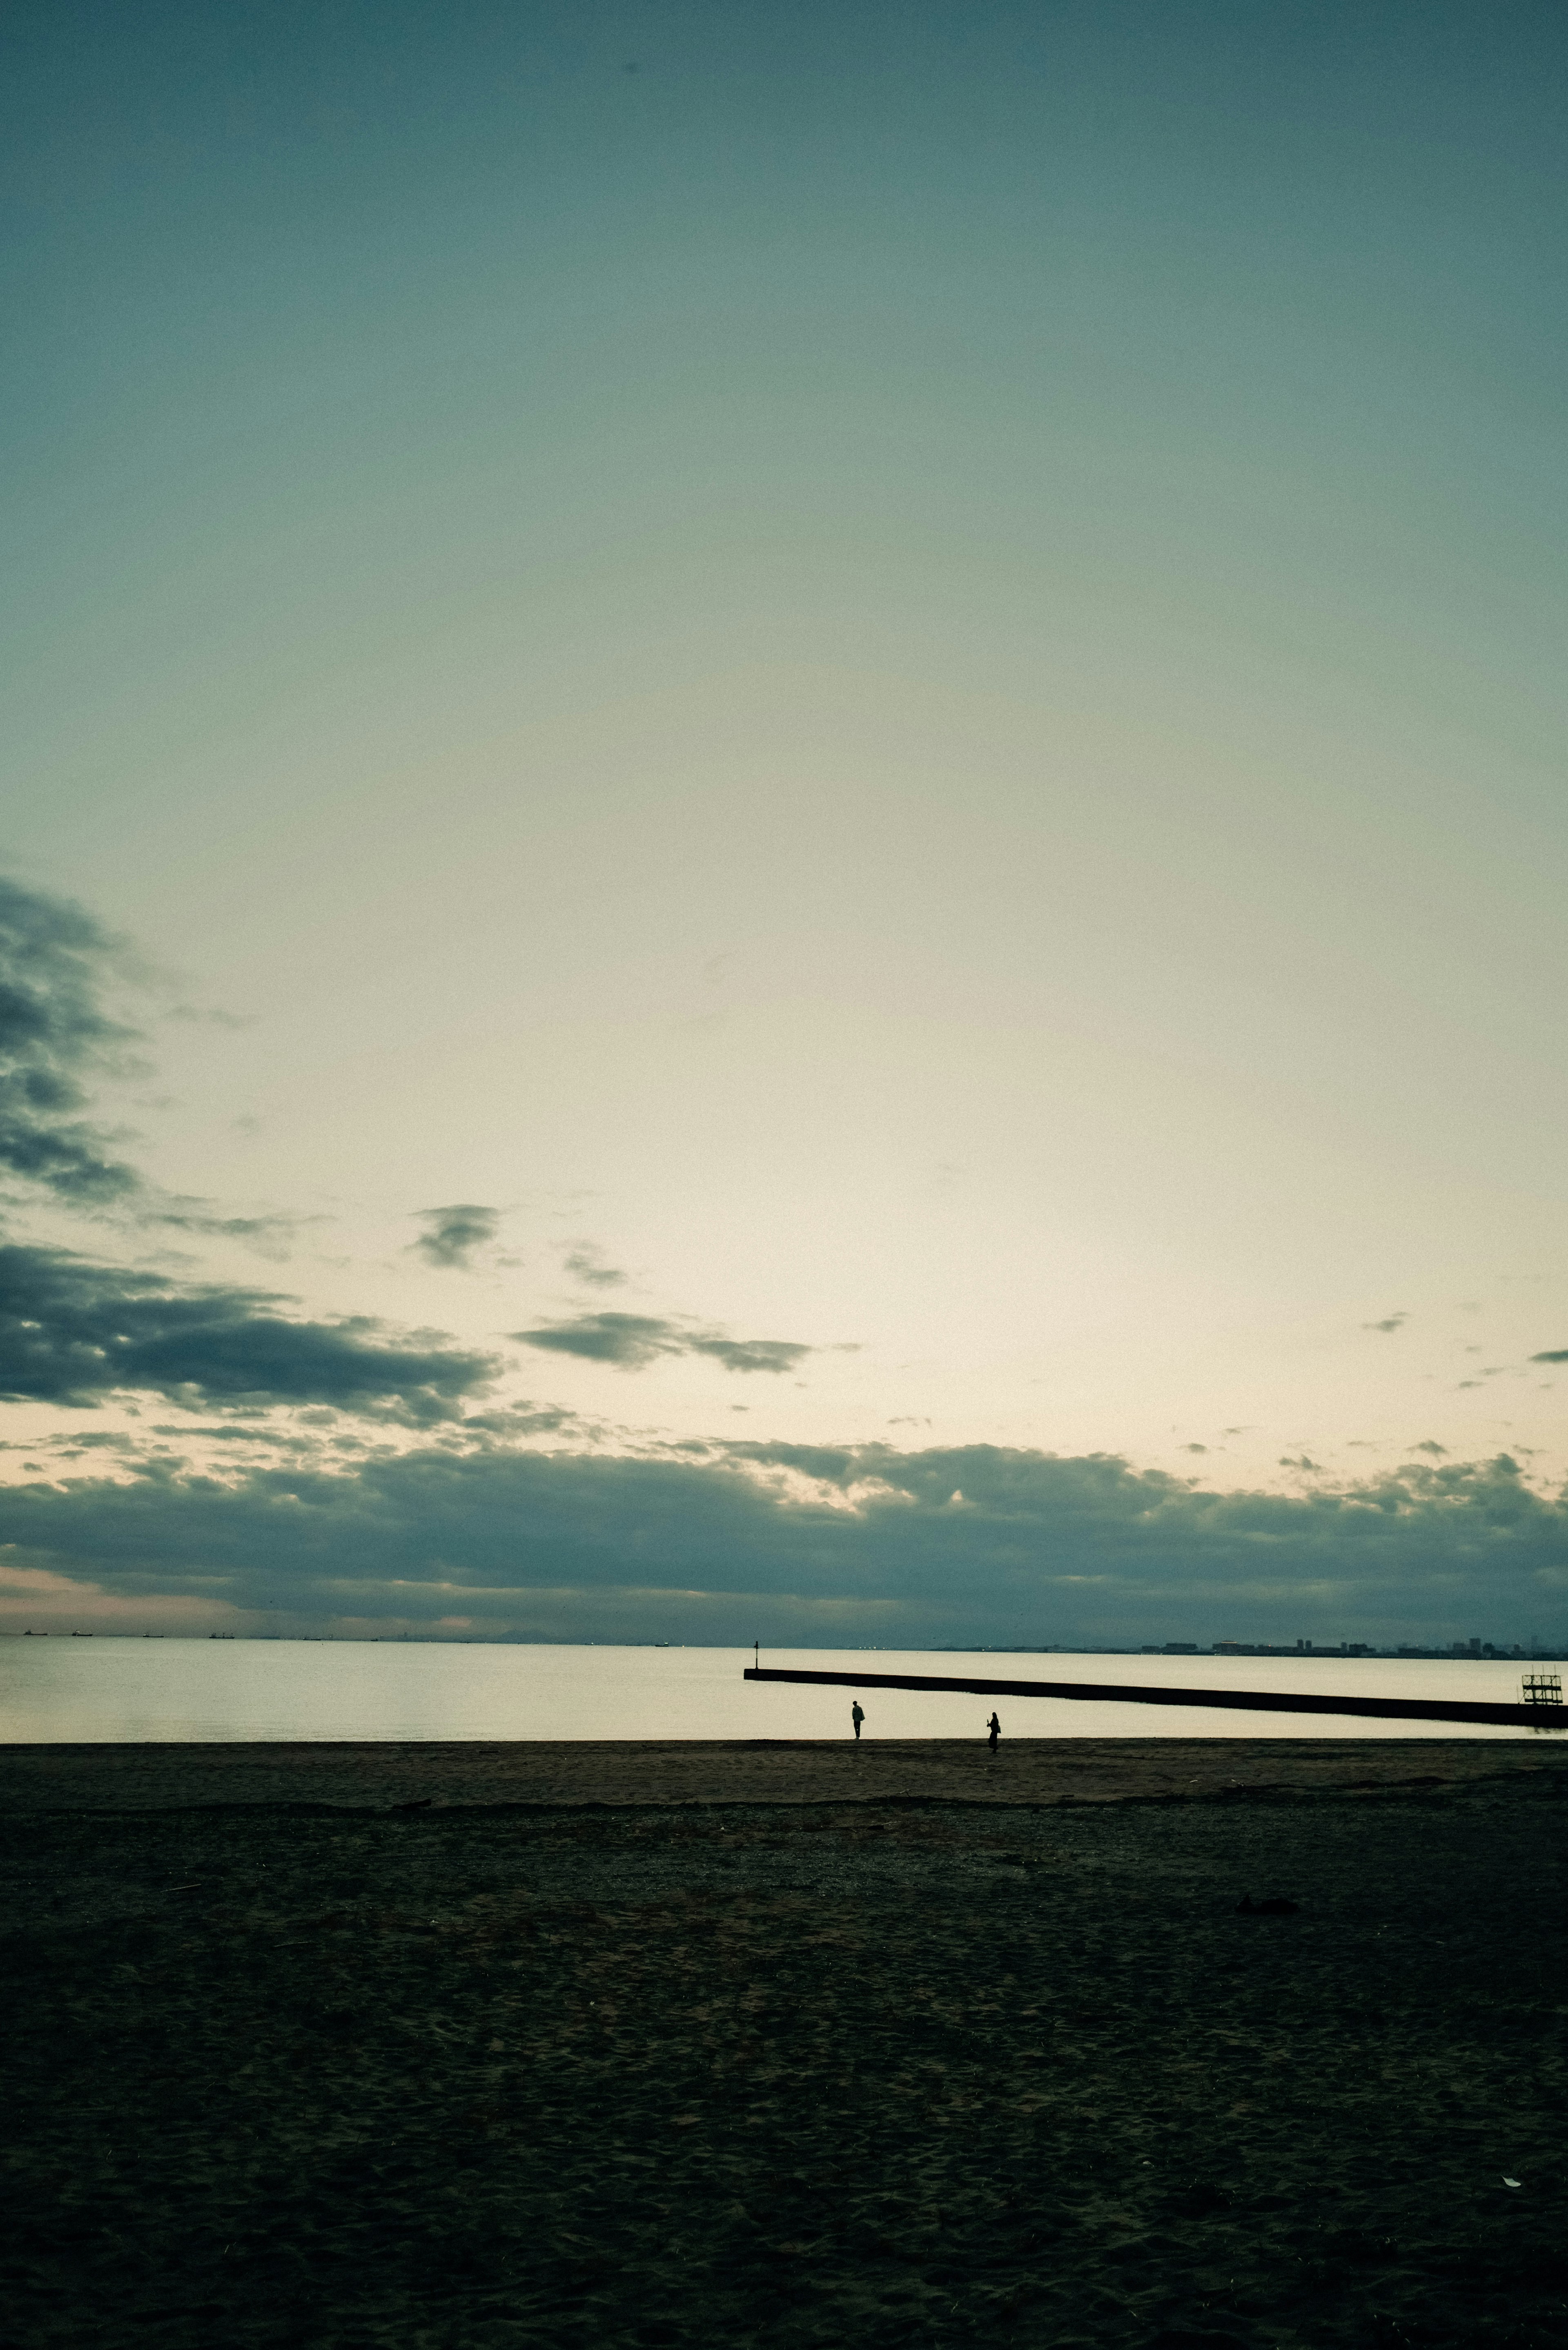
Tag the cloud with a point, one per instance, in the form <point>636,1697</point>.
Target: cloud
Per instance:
<point>451,1235</point>
<point>33,1596</point>
<point>54,1033</point>
<point>816,1544</point>
<point>1394,1322</point>
<point>1552,1355</point>
<point>268,1236</point>
<point>632,1341</point>
<point>587,1264</point>
<point>207,1015</point>
<point>1438,1452</point>
<point>72,1332</point>
<point>752,1354</point>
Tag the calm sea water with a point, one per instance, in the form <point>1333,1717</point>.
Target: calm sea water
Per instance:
<point>104,1689</point>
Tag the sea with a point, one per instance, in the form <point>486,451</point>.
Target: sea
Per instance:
<point>109,1689</point>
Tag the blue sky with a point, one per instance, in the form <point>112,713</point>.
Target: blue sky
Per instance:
<point>880,688</point>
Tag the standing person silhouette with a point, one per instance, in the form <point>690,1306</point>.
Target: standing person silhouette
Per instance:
<point>995,1728</point>
<point>856,1717</point>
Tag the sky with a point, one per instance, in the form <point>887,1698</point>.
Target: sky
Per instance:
<point>783,822</point>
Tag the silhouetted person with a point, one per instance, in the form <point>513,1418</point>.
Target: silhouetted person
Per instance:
<point>856,1717</point>
<point>995,1728</point>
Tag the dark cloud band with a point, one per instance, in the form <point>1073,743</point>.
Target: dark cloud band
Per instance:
<point>822,1544</point>
<point>72,1332</point>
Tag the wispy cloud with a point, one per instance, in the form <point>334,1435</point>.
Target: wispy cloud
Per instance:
<point>451,1235</point>
<point>629,1341</point>
<point>1552,1355</point>
<point>632,1341</point>
<point>586,1263</point>
<point>752,1354</point>
<point>57,964</point>
<point>1391,1322</point>
<point>267,1235</point>
<point>208,1016</point>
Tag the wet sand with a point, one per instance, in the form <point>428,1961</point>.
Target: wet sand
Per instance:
<point>787,2045</point>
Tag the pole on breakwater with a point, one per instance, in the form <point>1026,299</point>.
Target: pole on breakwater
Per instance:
<point>1381,1709</point>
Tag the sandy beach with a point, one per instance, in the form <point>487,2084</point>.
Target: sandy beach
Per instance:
<point>681,2044</point>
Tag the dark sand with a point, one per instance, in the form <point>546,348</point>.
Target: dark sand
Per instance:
<point>786,2045</point>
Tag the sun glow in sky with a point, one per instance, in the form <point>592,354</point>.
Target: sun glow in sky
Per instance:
<point>835,735</point>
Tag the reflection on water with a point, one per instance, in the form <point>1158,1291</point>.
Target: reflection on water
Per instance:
<point>61,1690</point>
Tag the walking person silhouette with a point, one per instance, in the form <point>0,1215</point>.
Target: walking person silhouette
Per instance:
<point>995,1728</point>
<point>856,1717</point>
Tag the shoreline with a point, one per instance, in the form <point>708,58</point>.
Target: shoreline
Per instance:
<point>510,1774</point>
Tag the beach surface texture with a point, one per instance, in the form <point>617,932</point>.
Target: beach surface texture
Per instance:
<point>1161,2043</point>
